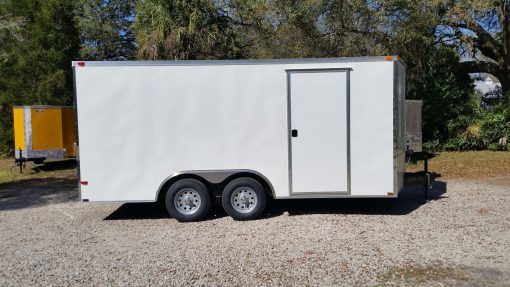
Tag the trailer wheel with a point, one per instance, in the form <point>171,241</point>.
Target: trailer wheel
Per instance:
<point>244,198</point>
<point>188,200</point>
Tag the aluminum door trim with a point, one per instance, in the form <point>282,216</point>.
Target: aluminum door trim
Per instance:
<point>346,70</point>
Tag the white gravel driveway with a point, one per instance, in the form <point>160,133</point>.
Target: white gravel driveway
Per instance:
<point>460,237</point>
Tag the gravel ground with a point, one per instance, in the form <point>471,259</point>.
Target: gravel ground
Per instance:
<point>460,237</point>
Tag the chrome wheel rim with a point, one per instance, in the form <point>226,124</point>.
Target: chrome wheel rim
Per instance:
<point>244,200</point>
<point>187,201</point>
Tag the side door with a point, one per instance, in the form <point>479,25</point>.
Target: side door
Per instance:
<point>318,103</point>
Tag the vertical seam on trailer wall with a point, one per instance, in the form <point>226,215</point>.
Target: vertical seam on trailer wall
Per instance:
<point>399,123</point>
<point>402,77</point>
<point>289,127</point>
<point>77,151</point>
<point>396,105</point>
<point>28,130</point>
<point>19,143</point>
<point>236,116</point>
<point>156,74</point>
<point>403,139</point>
<point>348,115</point>
<point>24,145</point>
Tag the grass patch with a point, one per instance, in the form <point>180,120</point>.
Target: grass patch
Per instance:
<point>54,169</point>
<point>468,164</point>
<point>419,275</point>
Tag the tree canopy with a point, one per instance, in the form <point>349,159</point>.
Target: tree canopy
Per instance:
<point>441,42</point>
<point>105,29</point>
<point>185,30</point>
<point>39,39</point>
<point>480,31</point>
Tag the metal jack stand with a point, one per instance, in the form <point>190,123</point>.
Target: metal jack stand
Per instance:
<point>22,162</point>
<point>423,178</point>
<point>426,172</point>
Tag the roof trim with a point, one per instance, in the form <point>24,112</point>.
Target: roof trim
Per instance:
<point>43,107</point>
<point>235,62</point>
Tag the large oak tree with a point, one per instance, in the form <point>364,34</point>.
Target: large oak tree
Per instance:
<point>480,30</point>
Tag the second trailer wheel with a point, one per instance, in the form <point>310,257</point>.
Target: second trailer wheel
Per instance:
<point>244,198</point>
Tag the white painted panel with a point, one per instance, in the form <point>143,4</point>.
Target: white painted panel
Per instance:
<point>371,111</point>
<point>261,122</point>
<point>195,125</point>
<point>116,133</point>
<point>139,124</point>
<point>319,114</point>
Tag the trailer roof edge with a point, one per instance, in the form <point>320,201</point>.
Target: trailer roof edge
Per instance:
<point>236,62</point>
<point>42,106</point>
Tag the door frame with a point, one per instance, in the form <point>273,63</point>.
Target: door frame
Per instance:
<point>348,122</point>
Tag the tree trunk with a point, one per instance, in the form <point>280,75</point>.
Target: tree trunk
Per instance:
<point>494,69</point>
<point>505,88</point>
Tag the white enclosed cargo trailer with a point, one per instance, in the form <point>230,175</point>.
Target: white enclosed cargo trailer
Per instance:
<point>187,132</point>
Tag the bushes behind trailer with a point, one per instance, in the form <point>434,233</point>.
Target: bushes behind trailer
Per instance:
<point>490,131</point>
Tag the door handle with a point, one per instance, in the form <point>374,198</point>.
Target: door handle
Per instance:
<point>294,133</point>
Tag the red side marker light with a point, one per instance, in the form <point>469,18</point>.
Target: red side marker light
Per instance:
<point>81,64</point>
<point>84,182</point>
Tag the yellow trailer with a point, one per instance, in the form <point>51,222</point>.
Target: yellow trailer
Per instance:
<point>44,132</point>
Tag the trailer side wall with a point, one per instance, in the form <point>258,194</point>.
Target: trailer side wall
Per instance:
<point>139,124</point>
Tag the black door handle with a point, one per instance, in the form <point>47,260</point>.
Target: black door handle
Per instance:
<point>294,133</point>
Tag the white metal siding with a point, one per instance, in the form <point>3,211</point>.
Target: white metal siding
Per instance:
<point>138,124</point>
<point>372,129</point>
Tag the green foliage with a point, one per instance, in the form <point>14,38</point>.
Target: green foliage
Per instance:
<point>39,39</point>
<point>185,29</point>
<point>481,133</point>
<point>37,69</point>
<point>105,29</point>
<point>494,126</point>
<point>10,27</point>
<point>292,29</point>
<point>461,143</point>
<point>449,102</point>
<point>432,146</point>
<point>201,29</point>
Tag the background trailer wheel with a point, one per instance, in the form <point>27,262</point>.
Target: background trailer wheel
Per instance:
<point>244,198</point>
<point>188,200</point>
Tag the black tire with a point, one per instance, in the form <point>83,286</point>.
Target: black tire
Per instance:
<point>188,190</point>
<point>244,186</point>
